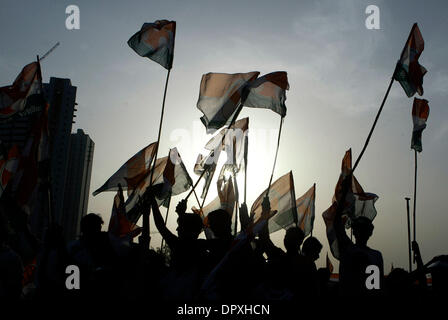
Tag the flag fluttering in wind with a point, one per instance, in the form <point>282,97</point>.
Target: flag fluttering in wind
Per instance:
<point>305,210</point>
<point>269,91</point>
<point>220,96</point>
<point>207,164</point>
<point>170,178</point>
<point>408,71</point>
<point>13,98</point>
<point>232,140</point>
<point>8,167</point>
<point>282,199</point>
<point>33,166</point>
<point>156,42</point>
<point>119,225</point>
<point>130,174</point>
<point>420,113</point>
<point>356,203</point>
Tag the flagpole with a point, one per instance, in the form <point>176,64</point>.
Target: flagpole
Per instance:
<point>166,219</point>
<point>276,153</point>
<point>409,233</point>
<point>246,149</point>
<point>374,123</point>
<point>236,202</point>
<point>415,193</point>
<point>145,232</point>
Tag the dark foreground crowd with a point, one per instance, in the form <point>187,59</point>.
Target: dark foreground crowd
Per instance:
<point>248,267</point>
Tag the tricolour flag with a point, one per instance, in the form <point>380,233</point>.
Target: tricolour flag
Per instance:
<point>119,225</point>
<point>13,98</point>
<point>305,210</point>
<point>408,71</point>
<point>171,178</point>
<point>420,113</point>
<point>156,42</point>
<point>269,91</point>
<point>355,204</point>
<point>282,199</point>
<point>8,167</point>
<point>220,96</point>
<point>132,173</point>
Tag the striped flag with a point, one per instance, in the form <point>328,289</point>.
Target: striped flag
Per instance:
<point>13,98</point>
<point>8,167</point>
<point>356,203</point>
<point>420,113</point>
<point>156,42</point>
<point>282,199</point>
<point>119,225</point>
<point>408,71</point>
<point>132,172</point>
<point>305,210</point>
<point>269,91</point>
<point>171,178</point>
<point>220,95</point>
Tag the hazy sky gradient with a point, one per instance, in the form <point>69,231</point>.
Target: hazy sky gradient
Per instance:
<point>338,73</point>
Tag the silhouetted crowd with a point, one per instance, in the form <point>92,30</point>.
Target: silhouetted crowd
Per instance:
<point>243,267</point>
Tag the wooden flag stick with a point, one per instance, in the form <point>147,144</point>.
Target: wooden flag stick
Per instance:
<point>374,124</point>
<point>276,153</point>
<point>409,233</point>
<point>246,151</point>
<point>415,192</point>
<point>145,231</point>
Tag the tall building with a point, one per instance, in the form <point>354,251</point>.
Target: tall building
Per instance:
<point>61,96</point>
<point>77,184</point>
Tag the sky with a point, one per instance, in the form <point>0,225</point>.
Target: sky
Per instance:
<point>338,73</point>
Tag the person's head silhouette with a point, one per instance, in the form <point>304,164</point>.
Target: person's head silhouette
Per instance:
<point>189,226</point>
<point>220,223</point>
<point>362,230</point>
<point>311,248</point>
<point>293,239</point>
<point>91,225</point>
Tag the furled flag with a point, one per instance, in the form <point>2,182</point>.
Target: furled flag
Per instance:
<point>356,203</point>
<point>220,96</point>
<point>420,113</point>
<point>156,42</point>
<point>171,178</point>
<point>13,98</point>
<point>305,210</point>
<point>269,91</point>
<point>408,71</point>
<point>130,174</point>
<point>119,225</point>
<point>282,199</point>
<point>8,167</point>
<point>329,265</point>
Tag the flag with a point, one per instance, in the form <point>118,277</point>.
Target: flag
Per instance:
<point>232,141</point>
<point>171,177</point>
<point>33,166</point>
<point>225,200</point>
<point>156,42</point>
<point>13,98</point>
<point>119,225</point>
<point>220,95</point>
<point>356,203</point>
<point>420,113</point>
<point>207,164</point>
<point>269,91</point>
<point>132,172</point>
<point>8,167</point>
<point>408,71</point>
<point>305,210</point>
<point>282,199</point>
<point>329,265</point>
